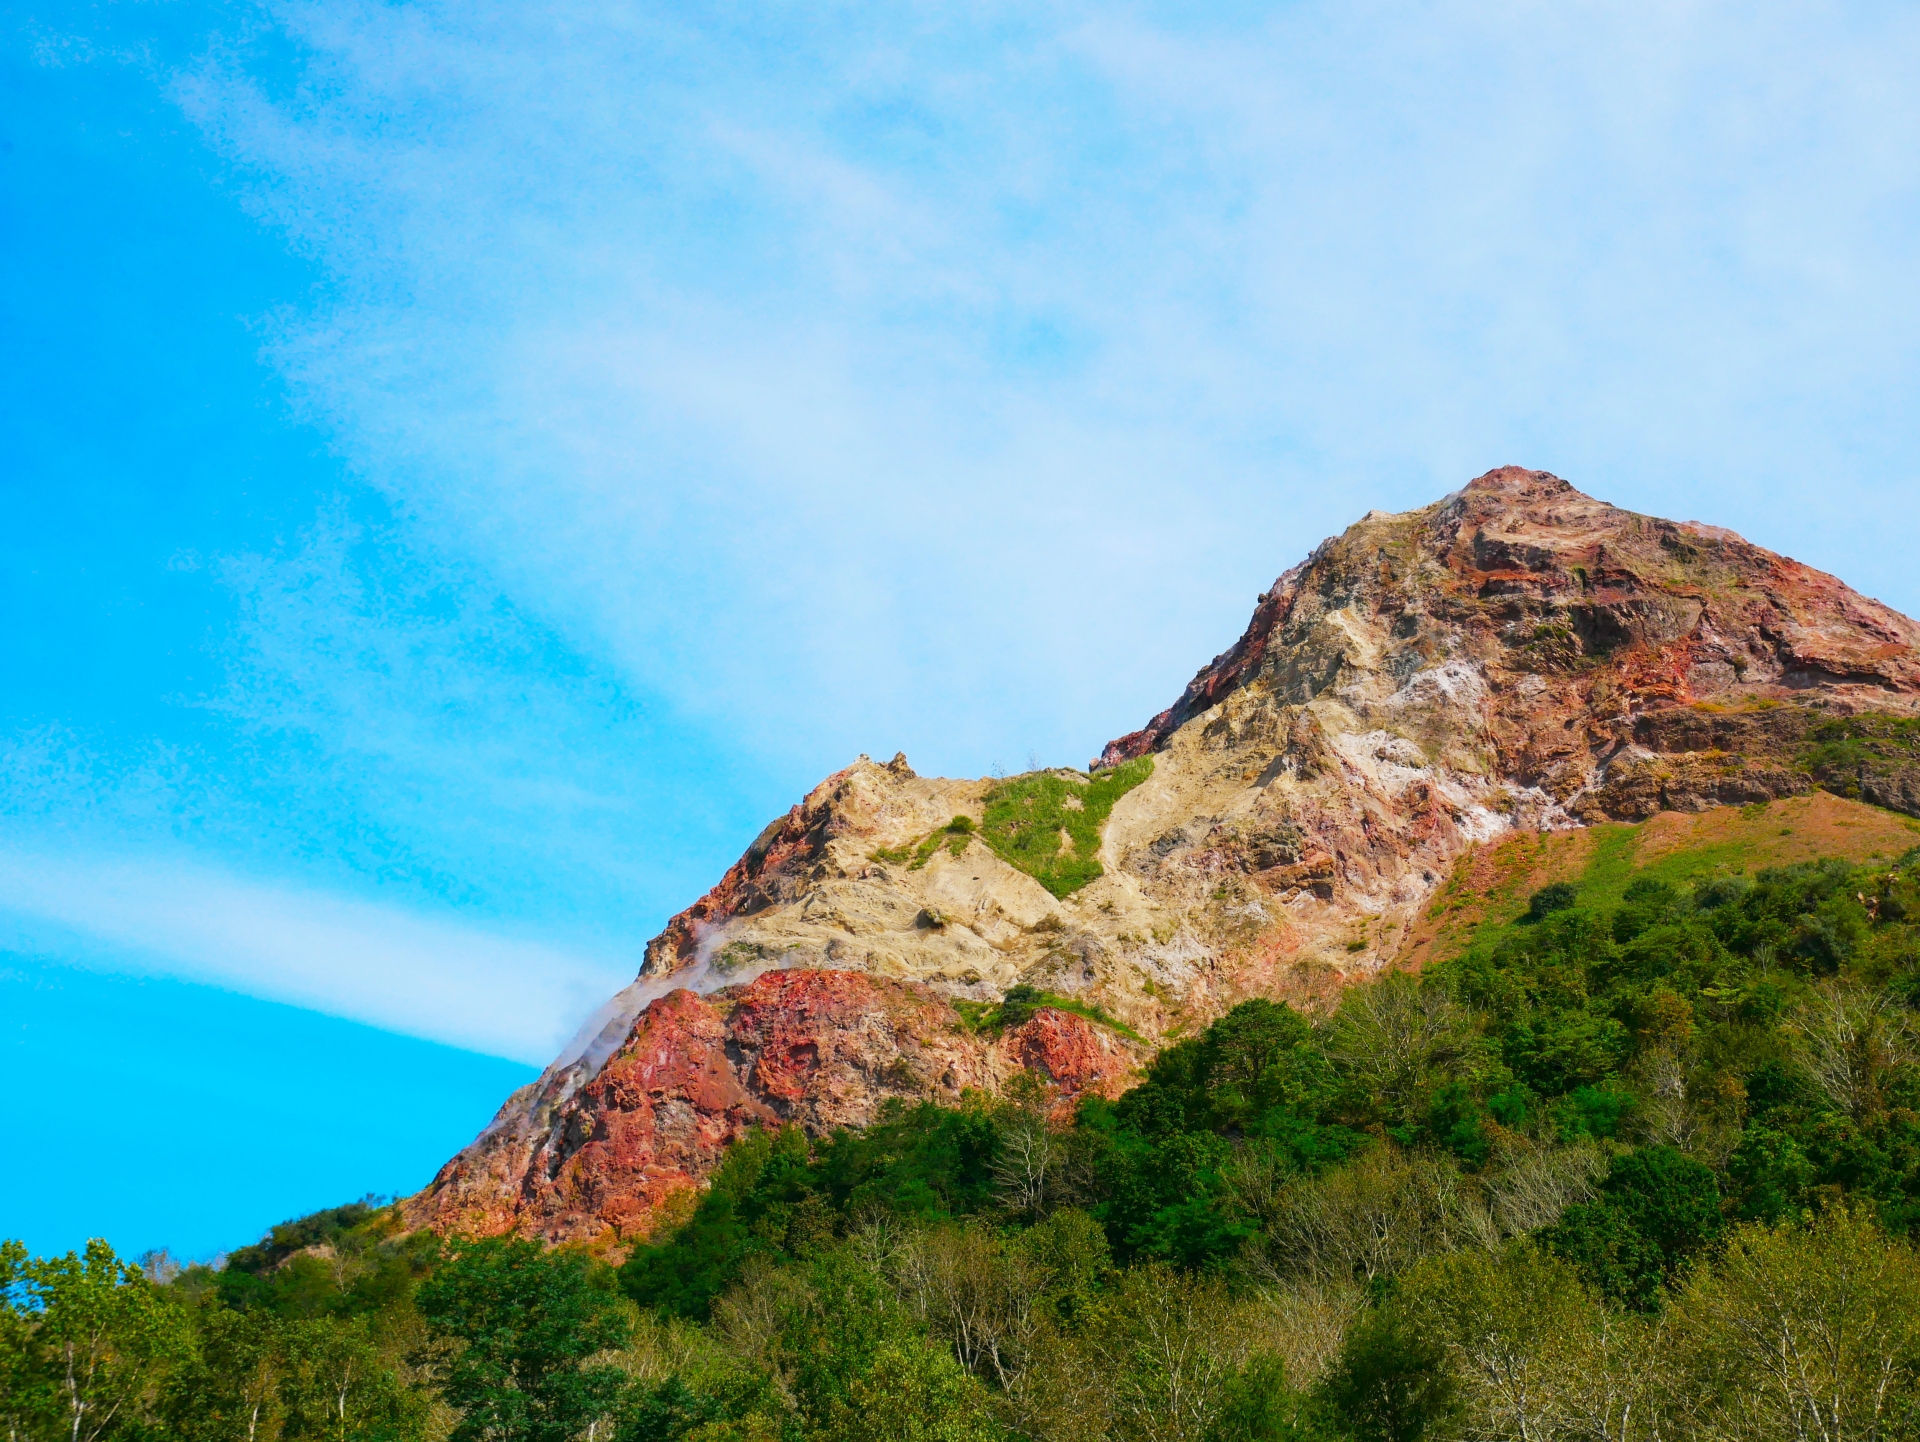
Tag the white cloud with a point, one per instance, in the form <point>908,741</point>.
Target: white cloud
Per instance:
<point>953,378</point>
<point>421,975</point>
<point>389,717</point>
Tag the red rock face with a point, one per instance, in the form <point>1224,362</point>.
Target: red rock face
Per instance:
<point>820,1049</point>
<point>1619,617</point>
<point>1077,1058</point>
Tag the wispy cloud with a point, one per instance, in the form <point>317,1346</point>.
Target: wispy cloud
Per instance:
<point>747,391</point>
<point>479,754</point>
<point>409,804</point>
<point>952,378</point>
<point>427,976</point>
<point>387,717</point>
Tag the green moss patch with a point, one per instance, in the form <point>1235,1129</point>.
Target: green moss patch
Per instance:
<point>954,836</point>
<point>1048,824</point>
<point>1017,1007</point>
<point>1044,823</point>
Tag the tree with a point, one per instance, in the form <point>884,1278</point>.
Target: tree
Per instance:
<point>27,1400</point>
<point>1167,1347</point>
<point>1807,1334</point>
<point>1257,1405</point>
<point>976,1293</point>
<point>912,1393</point>
<point>1534,1355</point>
<point>230,1391</point>
<point>1025,1150</point>
<point>1071,1254</point>
<point>1851,1042</point>
<point>1772,1173</point>
<point>1392,1382</point>
<point>1397,1041</point>
<point>340,1386</point>
<point>104,1337</point>
<point>731,1406</point>
<point>513,1329</point>
<point>1656,1210</point>
<point>1369,1220</point>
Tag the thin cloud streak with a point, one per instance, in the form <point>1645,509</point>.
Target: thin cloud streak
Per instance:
<point>423,976</point>
<point>386,716</point>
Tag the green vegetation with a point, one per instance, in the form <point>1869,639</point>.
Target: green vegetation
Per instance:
<point>1557,896</point>
<point>1045,823</point>
<point>1021,1002</point>
<point>1849,754</point>
<point>302,1346</point>
<point>1593,1177</point>
<point>520,1339</point>
<point>1599,863</point>
<point>1048,824</point>
<point>954,836</point>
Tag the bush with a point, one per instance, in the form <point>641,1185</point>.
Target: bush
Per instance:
<point>1392,1382</point>
<point>1656,1210</point>
<point>1559,896</point>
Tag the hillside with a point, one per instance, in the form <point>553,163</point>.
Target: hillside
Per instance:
<point>1646,1133</point>
<point>1489,891</point>
<point>1517,660</point>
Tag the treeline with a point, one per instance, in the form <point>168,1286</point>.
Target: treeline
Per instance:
<point>1641,1170</point>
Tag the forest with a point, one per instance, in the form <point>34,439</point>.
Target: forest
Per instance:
<point>1643,1162</point>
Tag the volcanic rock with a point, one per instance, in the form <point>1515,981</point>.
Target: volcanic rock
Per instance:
<point>1517,656</point>
<point>568,1161</point>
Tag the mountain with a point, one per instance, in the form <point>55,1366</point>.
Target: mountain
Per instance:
<point>1517,657</point>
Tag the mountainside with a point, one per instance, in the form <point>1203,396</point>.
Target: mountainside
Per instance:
<point>1517,657</point>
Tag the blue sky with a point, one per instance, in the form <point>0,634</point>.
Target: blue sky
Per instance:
<point>469,466</point>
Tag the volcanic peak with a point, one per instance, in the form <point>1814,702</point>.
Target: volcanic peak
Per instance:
<point>1517,656</point>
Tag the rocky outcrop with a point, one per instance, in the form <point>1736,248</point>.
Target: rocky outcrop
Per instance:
<point>1633,636</point>
<point>1517,656</point>
<point>819,1049</point>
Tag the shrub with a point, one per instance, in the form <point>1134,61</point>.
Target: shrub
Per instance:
<point>1559,896</point>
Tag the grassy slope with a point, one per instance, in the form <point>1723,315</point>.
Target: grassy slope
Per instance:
<point>1045,823</point>
<point>1048,823</point>
<point>1489,888</point>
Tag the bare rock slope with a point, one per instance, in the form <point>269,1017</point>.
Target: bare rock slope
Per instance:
<point>1516,656</point>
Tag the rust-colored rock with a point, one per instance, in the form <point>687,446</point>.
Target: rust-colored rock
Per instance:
<point>1516,657</point>
<point>821,1049</point>
<point>1616,615</point>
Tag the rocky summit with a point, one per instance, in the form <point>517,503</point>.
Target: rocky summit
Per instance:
<point>1517,656</point>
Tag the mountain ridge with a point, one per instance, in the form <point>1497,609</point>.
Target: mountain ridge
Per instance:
<point>1515,657</point>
